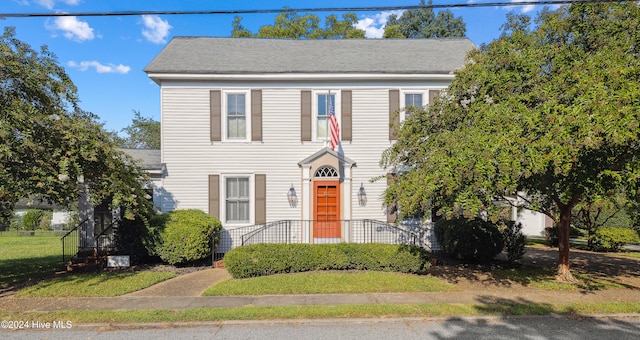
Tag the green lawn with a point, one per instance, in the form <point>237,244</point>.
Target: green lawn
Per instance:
<point>330,283</point>
<point>319,312</point>
<point>26,258</point>
<point>34,258</point>
<point>95,284</point>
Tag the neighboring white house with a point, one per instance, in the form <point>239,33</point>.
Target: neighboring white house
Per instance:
<point>60,218</point>
<point>245,132</point>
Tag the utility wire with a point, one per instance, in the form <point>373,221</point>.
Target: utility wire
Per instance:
<point>314,9</point>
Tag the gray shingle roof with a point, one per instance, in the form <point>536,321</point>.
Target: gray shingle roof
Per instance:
<point>149,159</point>
<point>205,55</point>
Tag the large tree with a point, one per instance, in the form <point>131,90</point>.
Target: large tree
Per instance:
<point>143,133</point>
<point>550,114</point>
<point>291,25</point>
<point>48,146</point>
<point>424,23</point>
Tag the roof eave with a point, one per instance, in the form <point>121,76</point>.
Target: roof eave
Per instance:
<point>158,77</point>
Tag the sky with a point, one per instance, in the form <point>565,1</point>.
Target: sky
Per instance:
<point>105,56</point>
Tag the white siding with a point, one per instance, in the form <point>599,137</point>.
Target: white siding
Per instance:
<point>533,222</point>
<point>370,138</point>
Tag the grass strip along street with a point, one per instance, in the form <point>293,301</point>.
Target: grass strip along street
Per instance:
<point>317,312</point>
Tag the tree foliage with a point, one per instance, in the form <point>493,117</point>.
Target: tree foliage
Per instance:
<point>423,23</point>
<point>48,145</point>
<point>35,219</point>
<point>291,25</point>
<point>602,211</point>
<point>143,133</point>
<point>551,111</point>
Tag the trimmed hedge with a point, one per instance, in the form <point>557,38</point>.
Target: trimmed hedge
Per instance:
<point>269,259</point>
<point>187,236</point>
<point>611,239</point>
<point>475,241</point>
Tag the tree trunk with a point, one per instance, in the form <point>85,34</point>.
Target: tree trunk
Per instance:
<point>564,273</point>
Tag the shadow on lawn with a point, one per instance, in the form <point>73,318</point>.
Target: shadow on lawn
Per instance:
<point>539,264</point>
<point>607,266</point>
<point>18,273</point>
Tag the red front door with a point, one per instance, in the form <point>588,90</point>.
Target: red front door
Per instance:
<point>326,209</point>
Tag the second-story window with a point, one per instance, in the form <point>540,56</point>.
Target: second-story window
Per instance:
<point>412,102</point>
<point>236,116</point>
<point>325,103</point>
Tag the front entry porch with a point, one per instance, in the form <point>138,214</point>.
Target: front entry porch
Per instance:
<point>352,231</point>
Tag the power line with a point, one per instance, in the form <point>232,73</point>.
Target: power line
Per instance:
<point>314,9</point>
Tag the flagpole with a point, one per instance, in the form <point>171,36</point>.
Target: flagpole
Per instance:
<point>328,104</point>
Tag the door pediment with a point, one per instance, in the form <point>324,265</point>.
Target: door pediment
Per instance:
<point>327,156</point>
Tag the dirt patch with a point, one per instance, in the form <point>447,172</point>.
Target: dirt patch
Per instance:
<point>178,270</point>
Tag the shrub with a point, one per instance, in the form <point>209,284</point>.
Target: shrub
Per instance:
<point>16,223</point>
<point>613,238</point>
<point>187,236</point>
<point>474,241</point>
<point>35,219</point>
<point>514,241</point>
<point>45,220</point>
<point>268,259</point>
<point>551,236</point>
<point>138,239</point>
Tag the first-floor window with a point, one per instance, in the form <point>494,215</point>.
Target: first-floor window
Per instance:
<point>237,199</point>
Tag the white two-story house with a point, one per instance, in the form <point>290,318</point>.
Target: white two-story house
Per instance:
<point>246,132</point>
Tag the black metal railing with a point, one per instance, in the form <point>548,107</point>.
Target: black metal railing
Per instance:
<point>303,231</point>
<point>374,231</point>
<point>71,242</point>
<point>105,241</point>
<point>272,232</point>
<point>77,239</point>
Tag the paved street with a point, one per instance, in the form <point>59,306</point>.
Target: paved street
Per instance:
<point>530,327</point>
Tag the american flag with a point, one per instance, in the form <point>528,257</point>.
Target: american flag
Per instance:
<point>334,129</point>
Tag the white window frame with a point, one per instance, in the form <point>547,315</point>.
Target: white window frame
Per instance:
<point>403,104</point>
<point>225,117</point>
<point>223,198</point>
<point>336,106</point>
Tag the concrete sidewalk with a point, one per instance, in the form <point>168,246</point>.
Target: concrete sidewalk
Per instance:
<point>184,292</point>
<point>177,303</point>
<point>192,284</point>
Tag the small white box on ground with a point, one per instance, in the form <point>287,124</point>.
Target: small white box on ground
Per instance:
<point>118,261</point>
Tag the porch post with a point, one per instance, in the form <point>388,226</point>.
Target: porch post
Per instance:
<point>306,203</point>
<point>347,203</point>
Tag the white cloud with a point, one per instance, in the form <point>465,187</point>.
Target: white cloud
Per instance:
<point>50,3</point>
<point>100,68</point>
<point>156,30</point>
<point>73,28</point>
<point>373,26</point>
<point>525,8</point>
<point>531,8</point>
